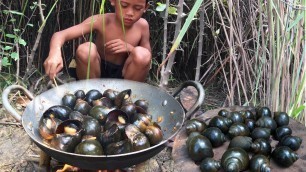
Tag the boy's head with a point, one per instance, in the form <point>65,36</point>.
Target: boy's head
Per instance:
<point>131,10</point>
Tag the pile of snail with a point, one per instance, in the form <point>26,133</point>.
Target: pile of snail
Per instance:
<point>98,123</point>
<point>249,135</point>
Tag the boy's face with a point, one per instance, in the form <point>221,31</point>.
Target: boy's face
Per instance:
<point>132,10</point>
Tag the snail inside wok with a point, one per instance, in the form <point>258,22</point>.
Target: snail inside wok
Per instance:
<point>109,123</point>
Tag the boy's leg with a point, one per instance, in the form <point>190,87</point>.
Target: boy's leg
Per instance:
<point>137,65</point>
<point>82,55</point>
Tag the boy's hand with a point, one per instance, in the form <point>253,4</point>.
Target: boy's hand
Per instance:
<point>54,63</point>
<point>118,46</point>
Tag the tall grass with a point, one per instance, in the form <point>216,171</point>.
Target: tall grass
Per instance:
<point>264,63</point>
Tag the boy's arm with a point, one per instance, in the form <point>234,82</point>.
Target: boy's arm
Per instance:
<point>119,46</point>
<point>54,62</point>
<point>145,37</point>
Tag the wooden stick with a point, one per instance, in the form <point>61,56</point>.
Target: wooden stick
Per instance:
<point>10,123</point>
<point>54,80</point>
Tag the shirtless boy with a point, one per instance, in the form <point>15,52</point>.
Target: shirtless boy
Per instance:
<point>114,54</point>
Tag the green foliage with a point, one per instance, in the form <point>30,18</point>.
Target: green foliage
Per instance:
<point>161,8</point>
<point>12,38</point>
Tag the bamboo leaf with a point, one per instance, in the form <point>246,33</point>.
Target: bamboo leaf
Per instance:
<point>190,17</point>
<point>102,7</point>
<point>10,35</point>
<point>297,111</point>
<point>44,22</point>
<point>12,12</point>
<point>294,23</point>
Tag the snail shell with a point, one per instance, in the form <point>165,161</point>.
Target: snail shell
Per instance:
<point>284,156</point>
<point>220,122</point>
<point>282,131</point>
<point>293,142</point>
<point>247,114</point>
<point>195,125</point>
<point>236,117</point>
<point>259,163</point>
<point>266,122</point>
<point>238,129</point>
<point>263,111</point>
<point>199,147</point>
<point>235,159</point>
<point>250,123</point>
<point>281,118</point>
<point>261,146</point>
<point>210,165</point>
<point>69,100</point>
<point>191,135</point>
<point>215,136</point>
<point>259,132</point>
<point>243,142</point>
<point>223,113</point>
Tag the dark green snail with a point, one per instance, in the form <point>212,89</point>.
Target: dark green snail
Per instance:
<point>259,163</point>
<point>235,117</point>
<point>282,131</point>
<point>284,156</point>
<point>259,132</point>
<point>89,147</point>
<point>195,125</point>
<point>281,118</point>
<point>261,146</point>
<point>223,113</point>
<point>69,100</point>
<point>235,159</point>
<point>238,129</point>
<point>250,123</point>
<point>199,147</point>
<point>210,165</point>
<point>263,111</point>
<point>220,122</point>
<point>191,135</point>
<point>266,122</point>
<point>247,114</point>
<point>215,136</point>
<point>243,142</point>
<point>293,142</point>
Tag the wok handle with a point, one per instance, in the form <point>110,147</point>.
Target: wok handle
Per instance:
<point>201,95</point>
<point>7,105</point>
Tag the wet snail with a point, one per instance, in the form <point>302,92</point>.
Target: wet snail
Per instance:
<point>96,123</point>
<point>250,137</point>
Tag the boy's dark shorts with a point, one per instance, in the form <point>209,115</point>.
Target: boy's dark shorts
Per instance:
<point>108,70</point>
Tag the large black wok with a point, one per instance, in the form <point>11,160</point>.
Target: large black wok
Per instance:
<point>160,104</point>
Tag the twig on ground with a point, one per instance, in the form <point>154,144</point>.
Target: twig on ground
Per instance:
<point>10,123</point>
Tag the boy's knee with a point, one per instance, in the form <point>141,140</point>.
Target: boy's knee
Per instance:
<point>83,50</point>
<point>141,56</point>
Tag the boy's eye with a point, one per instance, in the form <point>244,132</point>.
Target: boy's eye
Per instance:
<point>123,4</point>
<point>138,8</point>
